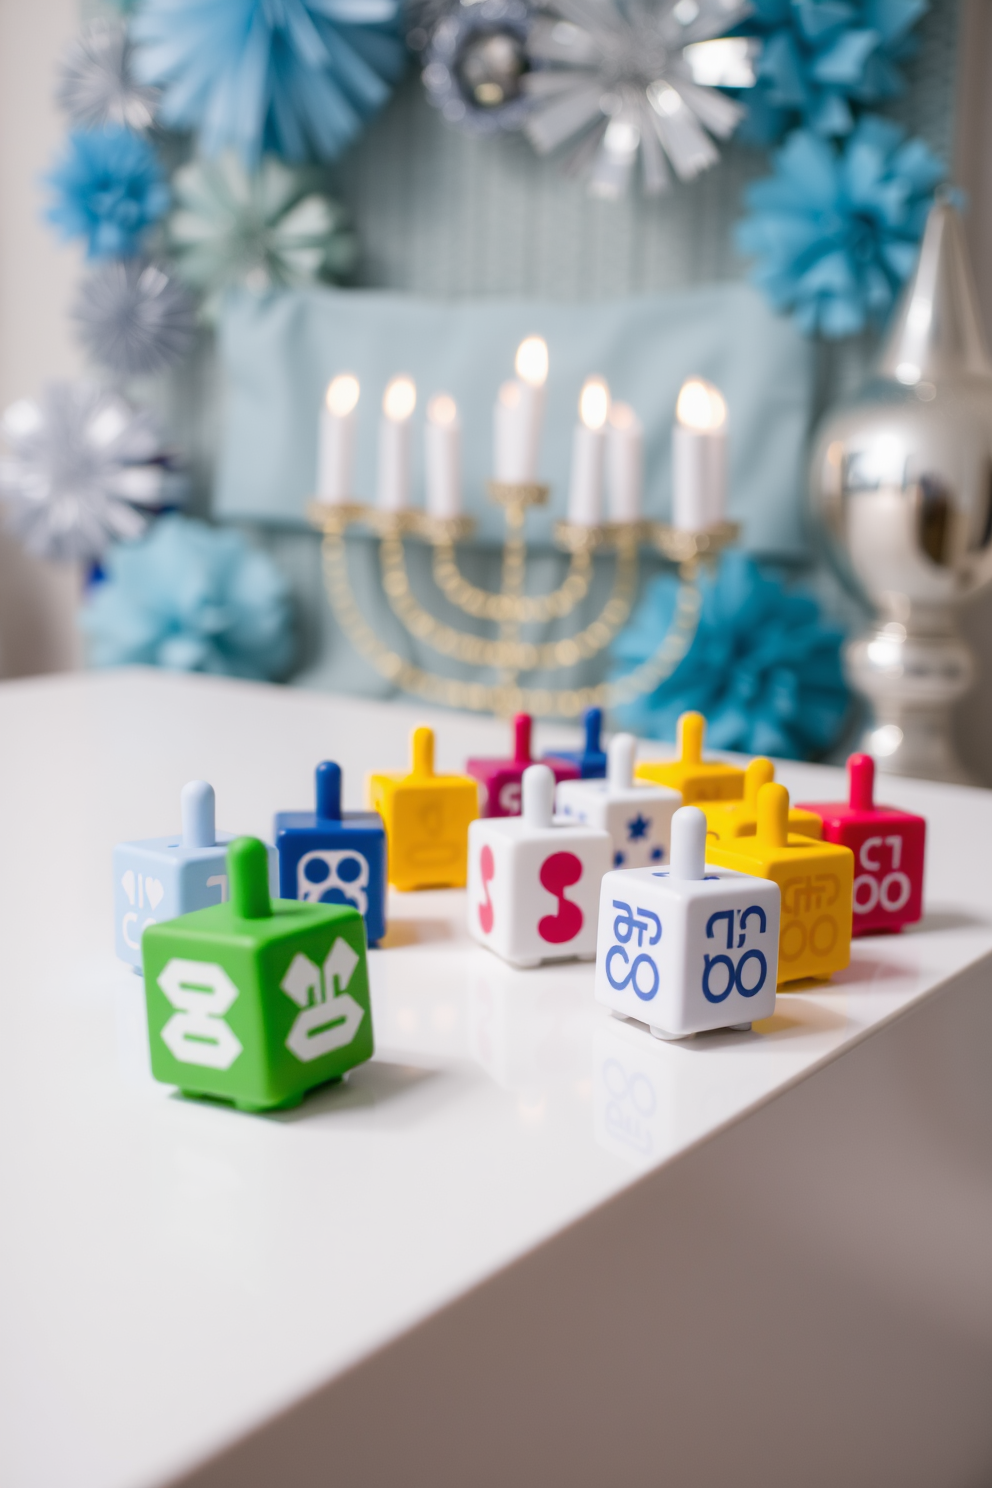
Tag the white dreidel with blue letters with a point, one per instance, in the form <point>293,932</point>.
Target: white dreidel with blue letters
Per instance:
<point>159,878</point>
<point>637,817</point>
<point>691,947</point>
<point>533,880</point>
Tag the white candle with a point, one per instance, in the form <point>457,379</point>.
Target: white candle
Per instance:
<point>624,464</point>
<point>585,496</point>
<point>519,415</point>
<point>699,457</point>
<point>395,429</point>
<point>442,457</point>
<point>336,445</point>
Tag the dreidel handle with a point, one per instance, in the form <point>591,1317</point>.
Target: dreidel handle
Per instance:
<point>329,791</point>
<point>197,805</point>
<point>861,777</point>
<point>248,874</point>
<point>538,796</point>
<point>691,727</point>
<point>593,721</point>
<point>773,815</point>
<point>759,772</point>
<point>688,857</point>
<point>521,739</point>
<point>423,752</point>
<point>620,762</point>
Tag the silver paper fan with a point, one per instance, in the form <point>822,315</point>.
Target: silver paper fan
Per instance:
<point>81,464</point>
<point>96,86</point>
<point>642,80</point>
<point>134,317</point>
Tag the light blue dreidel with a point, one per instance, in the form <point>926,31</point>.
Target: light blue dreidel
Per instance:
<point>330,856</point>
<point>159,878</point>
<point>688,948</point>
<point>591,759</point>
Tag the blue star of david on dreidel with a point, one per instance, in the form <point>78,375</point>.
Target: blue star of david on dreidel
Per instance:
<point>638,828</point>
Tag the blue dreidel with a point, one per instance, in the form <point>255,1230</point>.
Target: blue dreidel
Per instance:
<point>330,856</point>
<point>591,760</point>
<point>159,878</point>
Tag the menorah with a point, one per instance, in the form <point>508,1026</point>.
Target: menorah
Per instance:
<point>511,609</point>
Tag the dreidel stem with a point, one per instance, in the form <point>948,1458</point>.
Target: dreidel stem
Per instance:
<point>538,796</point>
<point>197,804</point>
<point>620,762</point>
<point>688,858</point>
<point>691,726</point>
<point>759,772</point>
<point>773,815</point>
<point>248,873</point>
<point>593,721</point>
<point>521,739</point>
<point>861,776</point>
<point>329,791</point>
<point>423,752</point>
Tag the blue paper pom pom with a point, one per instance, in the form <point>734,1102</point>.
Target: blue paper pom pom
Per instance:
<point>109,189</point>
<point>191,598</point>
<point>820,57</point>
<point>762,667</point>
<point>835,230</point>
<point>298,78</point>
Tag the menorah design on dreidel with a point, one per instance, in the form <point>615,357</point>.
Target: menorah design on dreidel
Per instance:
<point>507,652</point>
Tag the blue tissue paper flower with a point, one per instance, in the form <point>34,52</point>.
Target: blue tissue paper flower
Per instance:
<point>763,667</point>
<point>296,78</point>
<point>109,189</point>
<point>835,230</point>
<point>191,598</point>
<point>820,57</point>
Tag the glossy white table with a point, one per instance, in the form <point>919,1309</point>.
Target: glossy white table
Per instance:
<point>527,1244</point>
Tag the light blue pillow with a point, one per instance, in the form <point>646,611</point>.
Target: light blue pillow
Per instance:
<point>279,351</point>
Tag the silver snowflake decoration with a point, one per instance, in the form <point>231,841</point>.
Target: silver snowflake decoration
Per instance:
<point>96,86</point>
<point>81,464</point>
<point>638,80</point>
<point>134,317</point>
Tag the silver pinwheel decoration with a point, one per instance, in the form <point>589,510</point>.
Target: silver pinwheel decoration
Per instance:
<point>96,85</point>
<point>80,465</point>
<point>638,80</point>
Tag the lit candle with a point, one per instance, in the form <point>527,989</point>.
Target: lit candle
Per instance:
<point>519,415</point>
<point>336,449</point>
<point>699,457</point>
<point>398,403</point>
<point>585,496</point>
<point>624,464</point>
<point>442,457</point>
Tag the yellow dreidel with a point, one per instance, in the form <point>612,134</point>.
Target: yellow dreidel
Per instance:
<point>697,779</point>
<point>426,817</point>
<point>816,880</point>
<point>727,819</point>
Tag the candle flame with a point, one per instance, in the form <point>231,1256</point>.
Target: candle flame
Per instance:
<point>509,394</point>
<point>594,403</point>
<point>622,416</point>
<point>701,406</point>
<point>532,361</point>
<point>442,410</point>
<point>399,399</point>
<point>342,395</point>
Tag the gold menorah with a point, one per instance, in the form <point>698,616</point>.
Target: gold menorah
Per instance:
<point>511,609</point>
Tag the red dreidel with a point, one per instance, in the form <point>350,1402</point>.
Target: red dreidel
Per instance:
<point>888,847</point>
<point>499,779</point>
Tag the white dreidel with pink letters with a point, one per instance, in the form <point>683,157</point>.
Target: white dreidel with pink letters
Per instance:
<point>533,881</point>
<point>637,816</point>
<point>690,947</point>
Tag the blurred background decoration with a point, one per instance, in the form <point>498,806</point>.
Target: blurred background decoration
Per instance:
<point>248,148</point>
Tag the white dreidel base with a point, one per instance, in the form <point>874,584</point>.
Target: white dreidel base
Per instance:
<point>689,948</point>
<point>533,882</point>
<point>637,817</point>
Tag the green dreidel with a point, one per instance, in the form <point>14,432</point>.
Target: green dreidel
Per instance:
<point>256,1001</point>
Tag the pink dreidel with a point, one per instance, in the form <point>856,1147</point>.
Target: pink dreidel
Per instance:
<point>888,847</point>
<point>499,779</point>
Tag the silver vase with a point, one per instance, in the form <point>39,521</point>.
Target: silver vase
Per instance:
<point>902,479</point>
